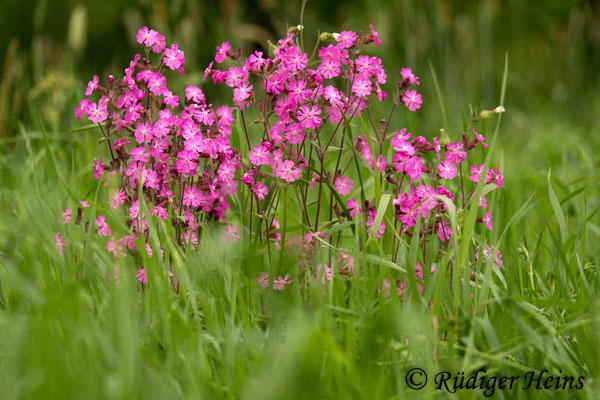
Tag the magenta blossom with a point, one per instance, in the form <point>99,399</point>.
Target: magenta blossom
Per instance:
<point>287,171</point>
<point>412,100</point>
<point>140,274</point>
<point>343,185</point>
<point>260,190</point>
<point>447,170</point>
<point>103,228</point>
<point>222,52</point>
<point>280,283</point>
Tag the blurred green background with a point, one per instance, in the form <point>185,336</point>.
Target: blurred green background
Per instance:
<point>50,49</point>
<point>67,335</point>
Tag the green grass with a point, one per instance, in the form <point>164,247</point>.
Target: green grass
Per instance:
<point>69,331</point>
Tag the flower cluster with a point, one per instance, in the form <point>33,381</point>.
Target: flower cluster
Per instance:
<point>171,153</point>
<point>294,115</point>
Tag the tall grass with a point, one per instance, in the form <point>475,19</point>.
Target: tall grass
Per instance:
<point>83,327</point>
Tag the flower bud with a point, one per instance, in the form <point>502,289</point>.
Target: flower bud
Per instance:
<point>485,114</point>
<point>444,139</point>
<point>382,125</point>
<point>294,29</point>
<point>325,36</point>
<point>272,48</point>
<point>338,211</point>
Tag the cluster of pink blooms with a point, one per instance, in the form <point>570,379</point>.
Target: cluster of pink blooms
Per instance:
<point>175,152</point>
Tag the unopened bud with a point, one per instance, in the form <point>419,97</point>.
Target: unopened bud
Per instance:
<point>485,114</point>
<point>325,36</point>
<point>382,125</point>
<point>444,139</point>
<point>294,29</point>
<point>337,210</point>
<point>272,48</point>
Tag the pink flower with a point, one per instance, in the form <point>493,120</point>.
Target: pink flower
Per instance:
<point>494,176</point>
<point>444,231</point>
<point>160,212</point>
<point>375,35</point>
<point>67,216</point>
<point>98,168</point>
<point>279,283</point>
<point>436,147</point>
<point>143,35</point>
<point>92,85</point>
<point>488,221</point>
<point>371,223</point>
<point>294,133</point>
<point>139,154</point>
<point>143,133</point>
<point>151,180</point>
<point>81,108</point>
<point>346,263</point>
<point>346,38</point>
<point>84,204</point>
<point>260,190</point>
<point>204,115</point>
<point>381,163</point>
<point>195,94</point>
<point>480,138</point>
<point>222,52</point>
<point>455,153</point>
<point>140,274</point>
<point>241,93</point>
<point>343,185</point>
<point>97,113</point>
<point>483,202</point>
<point>329,69</point>
<point>386,288</point>
<point>103,228</point>
<point>174,58</point>
<point>287,171</point>
<point>476,173</point>
<point>118,198</point>
<point>361,86</point>
<point>401,144</point>
<point>263,280</point>
<point>184,164</point>
<point>414,168</point>
<point>409,77</point>
<point>230,234</point>
<point>192,197</point>
<point>293,58</point>
<point>151,38</point>
<point>256,61</point>
<point>259,156</point>
<point>487,253</point>
<point>353,208</point>
<point>60,243</point>
<point>309,116</point>
<point>170,99</point>
<point>447,170</point>
<point>412,100</point>
<point>324,272</point>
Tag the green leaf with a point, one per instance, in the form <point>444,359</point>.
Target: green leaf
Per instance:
<point>381,210</point>
<point>558,212</point>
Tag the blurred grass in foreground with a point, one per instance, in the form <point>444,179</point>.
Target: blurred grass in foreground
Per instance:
<point>68,331</point>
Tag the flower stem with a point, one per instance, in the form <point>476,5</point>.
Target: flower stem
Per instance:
<point>283,227</point>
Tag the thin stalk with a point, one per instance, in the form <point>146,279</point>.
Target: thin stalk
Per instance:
<point>284,227</point>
